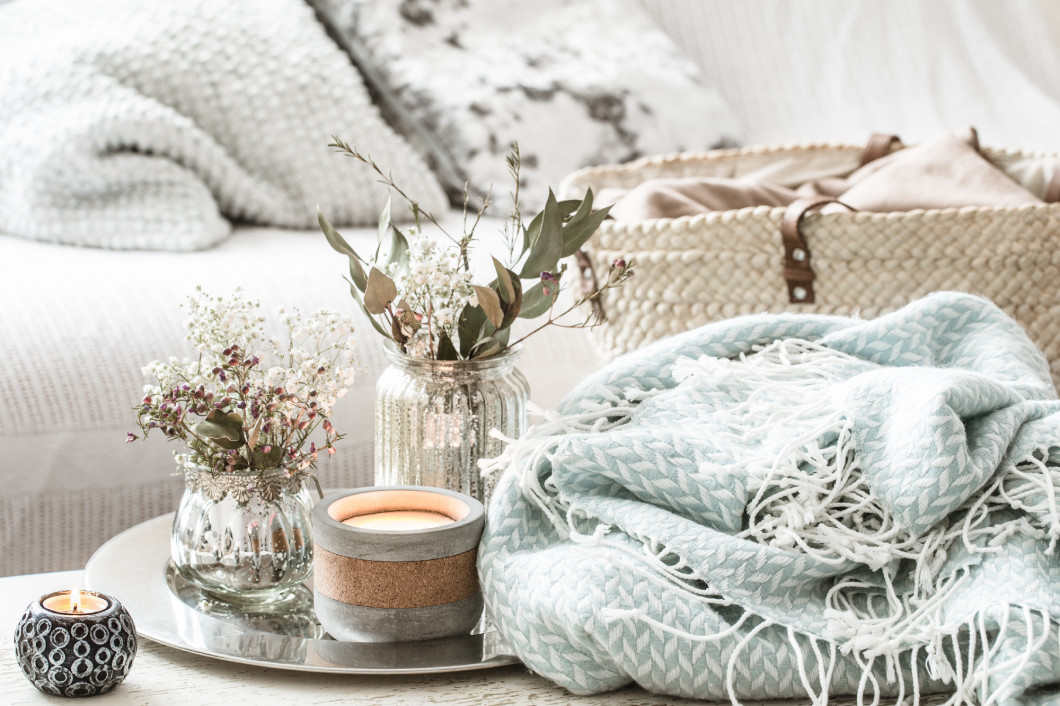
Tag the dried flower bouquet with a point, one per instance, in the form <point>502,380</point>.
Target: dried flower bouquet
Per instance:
<point>248,402</point>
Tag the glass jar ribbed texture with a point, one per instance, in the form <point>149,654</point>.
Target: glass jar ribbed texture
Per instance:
<point>433,419</point>
<point>243,537</point>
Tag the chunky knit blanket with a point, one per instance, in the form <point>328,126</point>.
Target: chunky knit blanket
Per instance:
<point>132,124</point>
<point>794,506</point>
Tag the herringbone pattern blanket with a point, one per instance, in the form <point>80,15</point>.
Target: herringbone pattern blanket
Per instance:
<point>794,506</point>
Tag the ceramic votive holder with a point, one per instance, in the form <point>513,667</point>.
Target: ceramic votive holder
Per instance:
<point>75,643</point>
<point>407,573</point>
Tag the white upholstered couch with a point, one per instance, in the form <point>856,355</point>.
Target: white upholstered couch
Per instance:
<point>76,325</point>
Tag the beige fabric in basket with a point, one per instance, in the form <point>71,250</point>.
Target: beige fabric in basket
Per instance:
<point>947,172</point>
<point>698,269</point>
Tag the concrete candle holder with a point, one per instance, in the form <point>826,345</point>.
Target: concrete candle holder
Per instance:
<point>415,581</point>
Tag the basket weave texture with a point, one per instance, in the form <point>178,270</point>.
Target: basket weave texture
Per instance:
<point>695,270</point>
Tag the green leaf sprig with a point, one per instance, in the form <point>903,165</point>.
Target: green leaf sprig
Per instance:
<point>526,287</point>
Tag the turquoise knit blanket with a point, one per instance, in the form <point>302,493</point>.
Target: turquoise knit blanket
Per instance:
<point>793,506</point>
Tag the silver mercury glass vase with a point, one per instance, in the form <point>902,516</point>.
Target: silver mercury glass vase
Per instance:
<point>433,419</point>
<point>243,537</point>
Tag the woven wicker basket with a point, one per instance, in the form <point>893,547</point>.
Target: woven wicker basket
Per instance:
<point>694,270</point>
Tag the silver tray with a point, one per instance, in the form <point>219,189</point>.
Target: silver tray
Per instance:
<point>134,567</point>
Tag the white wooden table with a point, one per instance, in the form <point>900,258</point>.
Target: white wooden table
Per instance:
<point>163,675</point>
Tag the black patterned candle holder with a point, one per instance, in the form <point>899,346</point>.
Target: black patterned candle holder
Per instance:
<point>75,643</point>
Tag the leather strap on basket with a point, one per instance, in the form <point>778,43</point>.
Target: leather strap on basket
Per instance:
<point>798,272</point>
<point>879,145</point>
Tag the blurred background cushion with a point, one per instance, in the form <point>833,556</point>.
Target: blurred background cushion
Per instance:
<point>128,126</point>
<point>575,82</point>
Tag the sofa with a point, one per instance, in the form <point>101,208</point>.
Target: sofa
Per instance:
<point>78,323</point>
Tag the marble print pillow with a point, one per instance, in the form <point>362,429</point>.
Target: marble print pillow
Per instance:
<point>575,82</point>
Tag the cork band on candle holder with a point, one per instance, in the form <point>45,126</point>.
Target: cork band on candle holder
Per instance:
<point>396,584</point>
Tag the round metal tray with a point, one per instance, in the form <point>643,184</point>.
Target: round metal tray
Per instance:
<point>134,567</point>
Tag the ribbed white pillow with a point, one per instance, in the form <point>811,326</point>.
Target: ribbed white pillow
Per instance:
<point>127,124</point>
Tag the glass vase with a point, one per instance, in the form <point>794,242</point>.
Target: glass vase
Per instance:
<point>244,538</point>
<point>433,419</point>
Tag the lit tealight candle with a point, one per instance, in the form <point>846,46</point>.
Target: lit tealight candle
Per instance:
<point>74,602</point>
<point>75,643</point>
<point>399,520</point>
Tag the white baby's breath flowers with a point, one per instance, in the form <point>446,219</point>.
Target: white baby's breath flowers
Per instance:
<point>274,393</point>
<point>437,286</point>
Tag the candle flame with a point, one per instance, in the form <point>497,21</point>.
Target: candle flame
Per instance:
<point>75,600</point>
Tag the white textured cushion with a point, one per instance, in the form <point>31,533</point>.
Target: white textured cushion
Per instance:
<point>77,325</point>
<point>127,124</point>
<point>575,82</point>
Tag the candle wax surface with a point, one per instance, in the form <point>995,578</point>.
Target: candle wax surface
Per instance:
<point>65,603</point>
<point>400,520</point>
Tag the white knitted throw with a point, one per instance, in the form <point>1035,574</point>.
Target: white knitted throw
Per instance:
<point>127,124</point>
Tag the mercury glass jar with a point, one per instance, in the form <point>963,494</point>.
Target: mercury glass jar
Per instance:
<point>433,419</point>
<point>245,537</point>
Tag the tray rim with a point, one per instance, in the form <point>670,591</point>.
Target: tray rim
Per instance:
<point>157,591</point>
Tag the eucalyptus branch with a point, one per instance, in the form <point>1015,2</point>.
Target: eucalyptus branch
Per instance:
<point>456,318</point>
<point>616,276</point>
